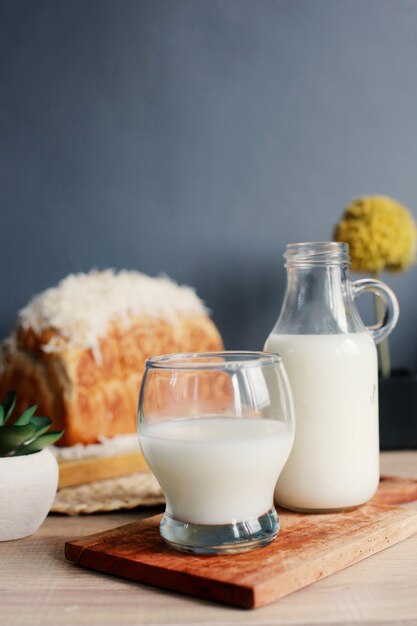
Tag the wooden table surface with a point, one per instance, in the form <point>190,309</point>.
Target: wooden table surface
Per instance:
<point>38,587</point>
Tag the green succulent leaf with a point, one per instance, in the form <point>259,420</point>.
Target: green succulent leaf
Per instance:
<point>29,432</point>
<point>41,442</point>
<point>14,436</point>
<point>8,405</point>
<point>25,417</point>
<point>42,424</point>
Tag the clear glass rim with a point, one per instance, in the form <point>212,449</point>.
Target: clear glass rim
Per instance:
<point>317,253</point>
<point>232,359</point>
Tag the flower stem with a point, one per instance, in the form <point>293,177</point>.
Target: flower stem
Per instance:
<point>383,347</point>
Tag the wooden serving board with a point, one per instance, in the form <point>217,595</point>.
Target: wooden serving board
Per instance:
<point>308,548</point>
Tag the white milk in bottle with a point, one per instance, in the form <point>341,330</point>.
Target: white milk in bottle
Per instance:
<point>331,361</point>
<point>334,460</point>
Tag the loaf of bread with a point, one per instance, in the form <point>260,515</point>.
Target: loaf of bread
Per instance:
<point>79,349</point>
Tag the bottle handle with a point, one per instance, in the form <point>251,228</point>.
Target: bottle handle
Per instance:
<point>381,330</point>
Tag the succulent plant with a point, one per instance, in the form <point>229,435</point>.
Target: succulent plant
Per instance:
<point>26,434</point>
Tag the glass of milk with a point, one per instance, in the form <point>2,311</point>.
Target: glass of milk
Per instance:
<point>216,430</point>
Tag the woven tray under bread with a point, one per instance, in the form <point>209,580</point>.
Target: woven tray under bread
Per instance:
<point>125,492</point>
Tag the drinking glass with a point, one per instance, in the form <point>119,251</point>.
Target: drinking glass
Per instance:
<point>216,430</point>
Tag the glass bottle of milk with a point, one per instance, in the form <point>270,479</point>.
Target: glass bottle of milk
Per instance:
<point>331,361</point>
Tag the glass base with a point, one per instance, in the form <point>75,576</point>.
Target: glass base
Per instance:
<point>252,533</point>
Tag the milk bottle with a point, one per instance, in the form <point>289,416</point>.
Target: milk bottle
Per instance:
<point>331,362</point>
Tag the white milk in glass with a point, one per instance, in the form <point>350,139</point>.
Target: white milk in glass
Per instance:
<point>334,462</point>
<point>216,470</point>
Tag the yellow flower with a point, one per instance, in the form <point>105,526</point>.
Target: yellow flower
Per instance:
<point>381,234</point>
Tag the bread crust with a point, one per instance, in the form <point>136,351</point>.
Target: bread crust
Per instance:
<point>87,398</point>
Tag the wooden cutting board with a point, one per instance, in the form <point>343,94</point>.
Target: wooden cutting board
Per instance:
<point>308,548</point>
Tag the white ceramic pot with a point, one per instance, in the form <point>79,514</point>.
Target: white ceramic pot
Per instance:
<point>28,486</point>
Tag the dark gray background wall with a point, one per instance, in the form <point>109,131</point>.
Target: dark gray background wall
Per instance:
<point>197,137</point>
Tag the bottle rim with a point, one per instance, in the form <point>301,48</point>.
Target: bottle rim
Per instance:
<point>317,253</point>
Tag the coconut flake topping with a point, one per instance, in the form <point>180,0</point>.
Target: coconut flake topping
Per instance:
<point>81,306</point>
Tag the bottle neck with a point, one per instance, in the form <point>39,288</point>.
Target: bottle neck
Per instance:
<point>318,300</point>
